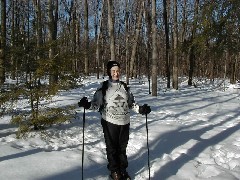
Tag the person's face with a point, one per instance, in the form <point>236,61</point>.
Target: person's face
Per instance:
<point>115,73</point>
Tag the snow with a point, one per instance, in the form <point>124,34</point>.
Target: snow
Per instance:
<point>193,135</point>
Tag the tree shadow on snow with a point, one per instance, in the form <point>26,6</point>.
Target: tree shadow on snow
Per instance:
<point>167,142</point>
<point>5,130</point>
<point>172,167</point>
<point>19,155</point>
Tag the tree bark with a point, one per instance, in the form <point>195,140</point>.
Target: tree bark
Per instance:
<point>165,17</point>
<point>154,50</point>
<point>127,40</point>
<point>99,36</point>
<point>192,47</point>
<point>147,18</point>
<point>3,42</point>
<point>39,35</point>
<point>52,19</point>
<point>233,65</point>
<point>175,46</point>
<point>111,29</point>
<point>135,42</point>
<point>86,38</point>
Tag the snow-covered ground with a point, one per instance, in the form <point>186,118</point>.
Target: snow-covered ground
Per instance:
<point>194,133</point>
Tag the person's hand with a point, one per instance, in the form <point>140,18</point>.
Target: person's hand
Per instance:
<point>84,103</point>
<point>145,109</point>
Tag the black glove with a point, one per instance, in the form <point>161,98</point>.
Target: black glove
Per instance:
<point>145,109</point>
<point>84,103</point>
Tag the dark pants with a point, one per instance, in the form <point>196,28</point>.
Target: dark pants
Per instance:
<point>116,139</point>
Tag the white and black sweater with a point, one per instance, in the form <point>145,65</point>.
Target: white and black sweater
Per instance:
<point>116,104</point>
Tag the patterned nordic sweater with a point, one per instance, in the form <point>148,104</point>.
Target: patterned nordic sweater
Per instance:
<point>116,104</point>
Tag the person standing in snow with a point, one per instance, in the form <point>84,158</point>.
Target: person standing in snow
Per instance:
<point>114,100</point>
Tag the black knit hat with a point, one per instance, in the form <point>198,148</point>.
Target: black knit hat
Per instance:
<point>111,64</point>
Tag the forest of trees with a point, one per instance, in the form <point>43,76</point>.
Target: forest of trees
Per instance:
<point>61,40</point>
<point>194,38</point>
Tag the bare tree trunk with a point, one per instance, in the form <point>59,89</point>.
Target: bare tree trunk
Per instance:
<point>165,17</point>
<point>233,65</point>
<point>147,17</point>
<point>119,34</point>
<point>184,22</point>
<point>225,64</point>
<point>99,36</point>
<point>111,29</point>
<point>39,36</point>
<point>52,19</point>
<point>77,36</point>
<point>192,47</point>
<point>86,38</point>
<point>3,42</point>
<point>38,32</point>
<point>136,37</point>
<point>96,25</point>
<point>102,57</point>
<point>154,50</point>
<point>183,34</point>
<point>127,39</point>
<point>74,34</point>
<point>13,40</point>
<point>175,46</point>
<point>238,67</point>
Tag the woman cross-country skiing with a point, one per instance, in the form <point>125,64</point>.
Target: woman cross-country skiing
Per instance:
<point>114,100</point>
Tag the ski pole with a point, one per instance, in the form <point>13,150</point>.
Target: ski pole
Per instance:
<point>149,174</point>
<point>83,140</point>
